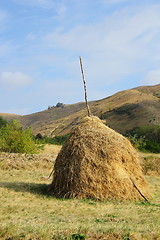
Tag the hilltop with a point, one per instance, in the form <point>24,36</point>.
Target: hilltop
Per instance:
<point>122,111</point>
<point>9,116</point>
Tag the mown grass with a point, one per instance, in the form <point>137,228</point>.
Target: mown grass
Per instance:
<point>151,164</point>
<point>28,212</point>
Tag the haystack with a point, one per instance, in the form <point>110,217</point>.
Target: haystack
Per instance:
<point>97,162</point>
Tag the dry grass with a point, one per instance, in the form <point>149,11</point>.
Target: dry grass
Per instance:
<point>45,159</point>
<point>151,164</point>
<point>51,149</point>
<point>27,212</point>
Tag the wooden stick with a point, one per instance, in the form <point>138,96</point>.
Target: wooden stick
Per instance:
<point>51,174</point>
<point>139,190</point>
<point>85,88</point>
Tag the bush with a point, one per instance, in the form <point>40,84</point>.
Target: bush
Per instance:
<point>60,140</point>
<point>57,140</point>
<point>78,236</point>
<point>152,146</point>
<point>137,142</point>
<point>146,138</point>
<point>14,139</point>
<point>3,122</point>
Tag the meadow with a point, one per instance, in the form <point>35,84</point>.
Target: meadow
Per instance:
<point>28,212</point>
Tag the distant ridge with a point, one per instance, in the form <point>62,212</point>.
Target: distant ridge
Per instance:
<point>9,116</point>
<point>122,111</point>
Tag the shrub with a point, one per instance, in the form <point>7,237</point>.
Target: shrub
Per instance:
<point>59,104</point>
<point>60,139</point>
<point>38,136</point>
<point>57,140</point>
<point>78,236</point>
<point>146,138</point>
<point>14,139</point>
<point>3,122</point>
<point>152,146</point>
<point>137,142</point>
<point>126,109</point>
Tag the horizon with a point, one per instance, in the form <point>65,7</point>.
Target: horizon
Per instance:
<point>41,41</point>
<point>41,110</point>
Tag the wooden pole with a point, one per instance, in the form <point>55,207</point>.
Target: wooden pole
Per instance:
<point>85,88</point>
<point>139,190</point>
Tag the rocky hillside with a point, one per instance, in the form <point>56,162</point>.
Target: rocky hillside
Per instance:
<point>121,111</point>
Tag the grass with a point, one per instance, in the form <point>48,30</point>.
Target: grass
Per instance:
<point>28,212</point>
<point>151,165</point>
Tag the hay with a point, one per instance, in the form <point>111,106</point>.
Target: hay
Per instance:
<point>97,162</point>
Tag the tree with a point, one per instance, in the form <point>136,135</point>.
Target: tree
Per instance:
<point>14,139</point>
<point>3,122</point>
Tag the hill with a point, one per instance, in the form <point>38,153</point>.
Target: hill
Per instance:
<point>9,116</point>
<point>122,111</point>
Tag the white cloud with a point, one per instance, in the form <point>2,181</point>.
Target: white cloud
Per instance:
<point>61,10</point>
<point>116,47</point>
<point>6,48</point>
<point>152,77</point>
<point>31,37</point>
<point>14,79</point>
<point>3,19</point>
<point>37,3</point>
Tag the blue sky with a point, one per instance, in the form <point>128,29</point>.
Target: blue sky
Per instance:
<point>41,41</point>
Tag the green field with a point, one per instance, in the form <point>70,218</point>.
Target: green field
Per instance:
<point>28,212</point>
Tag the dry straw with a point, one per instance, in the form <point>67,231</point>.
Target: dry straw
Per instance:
<point>97,162</point>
